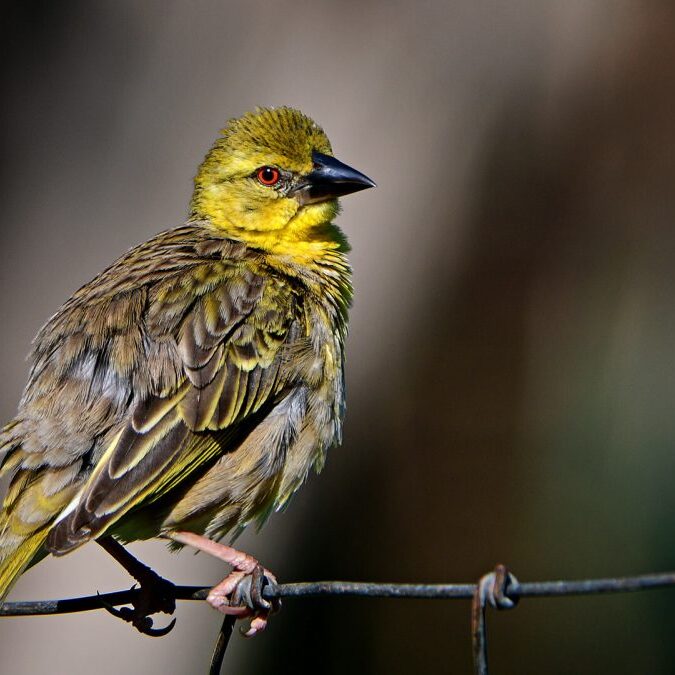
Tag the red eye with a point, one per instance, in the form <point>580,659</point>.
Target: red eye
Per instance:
<point>269,175</point>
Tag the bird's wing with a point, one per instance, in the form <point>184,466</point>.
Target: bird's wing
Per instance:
<point>228,325</point>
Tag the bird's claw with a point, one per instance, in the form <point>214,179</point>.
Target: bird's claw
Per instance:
<point>143,605</point>
<point>144,625</point>
<point>241,594</point>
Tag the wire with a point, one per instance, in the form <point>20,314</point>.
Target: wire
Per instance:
<point>499,589</point>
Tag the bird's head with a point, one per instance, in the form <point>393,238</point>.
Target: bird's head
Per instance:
<point>271,178</point>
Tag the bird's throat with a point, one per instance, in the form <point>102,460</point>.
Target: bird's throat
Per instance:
<point>308,238</point>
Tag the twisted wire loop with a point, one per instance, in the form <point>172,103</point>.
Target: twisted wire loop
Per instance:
<point>499,589</point>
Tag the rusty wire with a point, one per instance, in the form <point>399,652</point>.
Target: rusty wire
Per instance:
<point>222,641</point>
<point>498,589</point>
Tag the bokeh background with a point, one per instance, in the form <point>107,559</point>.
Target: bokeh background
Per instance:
<point>511,363</point>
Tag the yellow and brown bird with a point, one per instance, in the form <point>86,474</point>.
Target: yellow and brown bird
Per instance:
<point>190,387</point>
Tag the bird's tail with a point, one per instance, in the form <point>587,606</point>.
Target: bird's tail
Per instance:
<point>26,513</point>
<point>16,554</point>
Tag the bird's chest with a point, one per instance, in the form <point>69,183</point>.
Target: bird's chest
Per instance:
<point>317,362</point>
<point>315,405</point>
<point>325,376</point>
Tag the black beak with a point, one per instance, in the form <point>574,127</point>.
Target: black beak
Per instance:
<point>329,179</point>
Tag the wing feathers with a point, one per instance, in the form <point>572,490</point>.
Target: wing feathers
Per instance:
<point>229,340</point>
<point>108,496</point>
<point>133,447</point>
<point>117,492</point>
<point>199,406</point>
<point>148,413</point>
<point>204,375</point>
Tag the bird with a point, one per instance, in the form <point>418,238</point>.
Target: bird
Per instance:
<point>188,389</point>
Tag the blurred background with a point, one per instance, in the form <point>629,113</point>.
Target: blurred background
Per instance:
<point>511,362</point>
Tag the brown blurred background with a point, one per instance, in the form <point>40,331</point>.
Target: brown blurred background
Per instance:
<point>511,364</point>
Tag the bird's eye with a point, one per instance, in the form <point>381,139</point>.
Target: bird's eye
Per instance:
<point>268,175</point>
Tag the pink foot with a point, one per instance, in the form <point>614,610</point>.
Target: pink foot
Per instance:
<point>240,592</point>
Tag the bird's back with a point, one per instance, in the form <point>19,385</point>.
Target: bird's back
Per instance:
<point>194,366</point>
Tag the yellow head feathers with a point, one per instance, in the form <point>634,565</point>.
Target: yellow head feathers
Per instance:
<point>282,136</point>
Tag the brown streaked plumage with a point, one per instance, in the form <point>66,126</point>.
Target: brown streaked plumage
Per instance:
<point>193,384</point>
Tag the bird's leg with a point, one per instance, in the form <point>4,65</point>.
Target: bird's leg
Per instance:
<point>156,593</point>
<point>244,583</point>
<point>139,571</point>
